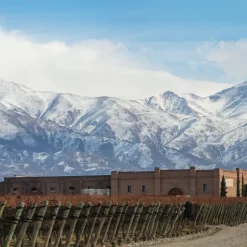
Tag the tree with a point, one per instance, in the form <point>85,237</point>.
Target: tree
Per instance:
<point>223,188</point>
<point>245,190</point>
<point>238,186</point>
<point>243,186</point>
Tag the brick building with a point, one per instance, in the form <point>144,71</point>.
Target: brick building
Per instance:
<point>53,185</point>
<point>175,182</point>
<point>158,182</point>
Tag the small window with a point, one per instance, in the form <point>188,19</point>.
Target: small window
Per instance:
<point>15,189</point>
<point>144,188</point>
<point>205,187</point>
<point>71,188</point>
<point>129,188</point>
<point>34,189</point>
<point>52,189</point>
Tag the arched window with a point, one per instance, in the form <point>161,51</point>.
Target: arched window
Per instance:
<point>34,189</point>
<point>71,188</point>
<point>175,191</point>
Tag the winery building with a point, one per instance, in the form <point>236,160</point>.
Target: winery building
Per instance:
<point>189,182</point>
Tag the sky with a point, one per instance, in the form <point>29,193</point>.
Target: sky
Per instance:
<point>129,49</point>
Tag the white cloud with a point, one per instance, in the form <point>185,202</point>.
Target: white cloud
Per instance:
<point>229,56</point>
<point>89,67</point>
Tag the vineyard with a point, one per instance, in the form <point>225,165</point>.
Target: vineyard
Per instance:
<point>32,221</point>
<point>12,201</point>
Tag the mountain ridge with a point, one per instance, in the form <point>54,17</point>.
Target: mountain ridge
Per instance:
<point>47,132</point>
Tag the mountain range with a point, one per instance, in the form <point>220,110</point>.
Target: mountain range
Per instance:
<point>46,133</point>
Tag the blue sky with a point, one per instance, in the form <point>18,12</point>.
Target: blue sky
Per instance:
<point>178,37</point>
<point>128,20</point>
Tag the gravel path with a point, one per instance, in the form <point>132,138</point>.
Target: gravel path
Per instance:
<point>216,237</point>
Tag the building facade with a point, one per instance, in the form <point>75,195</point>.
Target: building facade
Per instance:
<point>190,182</point>
<point>53,185</point>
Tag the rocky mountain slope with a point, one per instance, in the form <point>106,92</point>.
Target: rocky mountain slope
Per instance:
<point>44,133</point>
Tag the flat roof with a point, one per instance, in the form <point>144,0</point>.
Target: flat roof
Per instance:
<point>58,176</point>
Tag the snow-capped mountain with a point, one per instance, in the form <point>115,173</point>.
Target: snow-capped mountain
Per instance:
<point>45,133</point>
<point>171,102</point>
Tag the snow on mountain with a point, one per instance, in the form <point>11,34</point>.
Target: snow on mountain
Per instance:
<point>19,98</point>
<point>44,132</point>
<point>171,102</point>
<point>232,101</point>
<point>195,131</point>
<point>229,103</point>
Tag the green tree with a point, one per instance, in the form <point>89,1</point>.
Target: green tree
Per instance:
<point>238,186</point>
<point>223,188</point>
<point>243,185</point>
<point>245,190</point>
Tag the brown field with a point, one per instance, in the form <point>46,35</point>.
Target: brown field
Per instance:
<point>13,200</point>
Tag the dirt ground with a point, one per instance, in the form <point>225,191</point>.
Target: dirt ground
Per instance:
<point>216,237</point>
